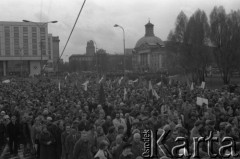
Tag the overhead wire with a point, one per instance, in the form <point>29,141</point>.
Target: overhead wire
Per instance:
<point>72,29</point>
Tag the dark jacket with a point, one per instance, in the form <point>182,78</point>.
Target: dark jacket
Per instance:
<point>82,150</point>
<point>47,151</point>
<point>13,131</point>
<point>84,125</point>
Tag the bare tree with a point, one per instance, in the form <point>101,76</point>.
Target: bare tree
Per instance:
<point>225,35</point>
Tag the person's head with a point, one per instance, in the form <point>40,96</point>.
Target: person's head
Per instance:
<point>103,145</point>
<point>117,115</point>
<point>101,114</point>
<point>68,128</point>
<point>86,108</point>
<point>174,134</point>
<point>127,149</point>
<point>13,118</point>
<point>120,129</point>
<point>44,129</point>
<point>84,136</point>
<point>111,130</point>
<point>119,139</point>
<point>100,130</point>
<point>109,119</point>
<point>49,120</point>
<point>137,137</point>
<point>198,124</point>
<point>84,116</point>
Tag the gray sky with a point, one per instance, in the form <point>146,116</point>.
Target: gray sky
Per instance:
<point>98,17</point>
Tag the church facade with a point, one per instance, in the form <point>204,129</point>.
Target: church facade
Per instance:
<point>148,54</point>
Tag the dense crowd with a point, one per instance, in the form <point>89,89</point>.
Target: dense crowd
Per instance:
<point>65,120</point>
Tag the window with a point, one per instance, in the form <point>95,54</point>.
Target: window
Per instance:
<point>7,39</point>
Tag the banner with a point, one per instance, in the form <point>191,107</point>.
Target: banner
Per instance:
<point>201,101</point>
<point>85,85</point>
<point>203,85</point>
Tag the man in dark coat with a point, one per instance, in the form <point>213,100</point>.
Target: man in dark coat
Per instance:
<point>56,132</point>
<point>13,132</point>
<point>82,148</point>
<point>2,134</point>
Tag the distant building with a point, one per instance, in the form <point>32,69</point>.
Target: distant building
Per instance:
<point>148,52</point>
<point>100,61</point>
<point>83,62</point>
<point>23,46</point>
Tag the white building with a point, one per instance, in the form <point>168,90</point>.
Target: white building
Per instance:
<point>23,46</point>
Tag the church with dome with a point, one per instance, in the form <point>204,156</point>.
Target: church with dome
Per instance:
<point>148,54</point>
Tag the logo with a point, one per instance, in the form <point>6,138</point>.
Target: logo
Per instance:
<point>153,146</point>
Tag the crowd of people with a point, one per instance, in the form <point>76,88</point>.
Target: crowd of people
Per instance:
<point>106,118</point>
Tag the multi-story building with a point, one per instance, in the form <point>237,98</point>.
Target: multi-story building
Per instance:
<point>100,61</point>
<point>83,62</point>
<point>24,47</point>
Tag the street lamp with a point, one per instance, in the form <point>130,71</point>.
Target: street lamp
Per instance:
<point>39,26</point>
<point>116,25</point>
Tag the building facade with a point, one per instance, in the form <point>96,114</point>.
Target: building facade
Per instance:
<point>24,48</point>
<point>100,61</point>
<point>83,62</point>
<point>149,52</point>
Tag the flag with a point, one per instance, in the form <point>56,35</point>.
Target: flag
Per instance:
<point>155,94</point>
<point>170,82</point>
<point>136,80</point>
<point>180,92</point>
<point>6,81</point>
<point>203,85</point>
<point>150,86</point>
<point>101,80</point>
<point>192,87</point>
<point>125,94</point>
<point>120,80</point>
<point>85,84</point>
<point>150,89</point>
<point>130,82</point>
<point>66,76</point>
<point>101,95</point>
<point>159,83</point>
<point>44,67</point>
<point>59,86</point>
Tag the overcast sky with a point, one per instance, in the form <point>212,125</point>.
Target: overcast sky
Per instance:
<point>98,17</point>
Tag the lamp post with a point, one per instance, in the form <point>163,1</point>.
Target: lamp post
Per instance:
<point>124,62</point>
<point>39,26</point>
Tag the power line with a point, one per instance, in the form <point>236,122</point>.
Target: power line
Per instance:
<point>72,29</point>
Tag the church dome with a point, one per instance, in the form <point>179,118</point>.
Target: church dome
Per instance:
<point>149,37</point>
<point>149,40</point>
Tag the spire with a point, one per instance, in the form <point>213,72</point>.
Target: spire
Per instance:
<point>149,29</point>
